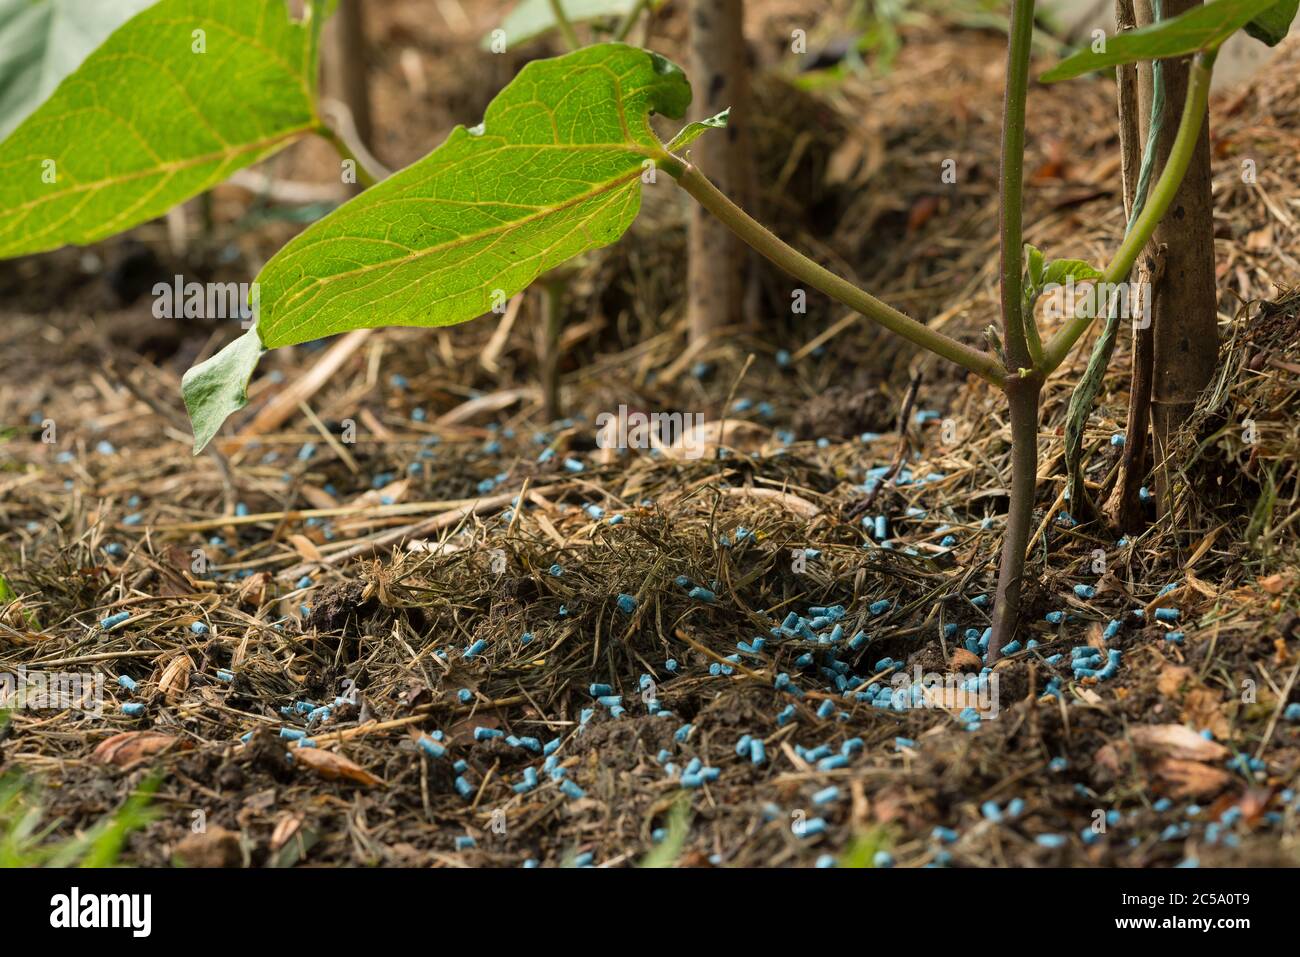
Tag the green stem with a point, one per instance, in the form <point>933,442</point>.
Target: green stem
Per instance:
<point>1023,396</point>
<point>566,28</point>
<point>1158,203</point>
<point>801,267</point>
<point>630,20</point>
<point>1014,315</point>
<point>364,176</point>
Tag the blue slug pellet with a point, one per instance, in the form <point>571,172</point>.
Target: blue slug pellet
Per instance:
<point>464,788</point>
<point>199,628</point>
<point>487,734</point>
<point>1167,614</point>
<point>1085,591</point>
<point>475,649</point>
<point>826,795</point>
<point>113,621</point>
<point>571,789</point>
<point>626,604</point>
<point>126,682</point>
<point>812,827</point>
<point>133,709</point>
<point>430,747</point>
<point>1050,840</point>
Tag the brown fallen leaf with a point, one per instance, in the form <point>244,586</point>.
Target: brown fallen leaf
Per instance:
<point>1191,779</point>
<point>1171,680</point>
<point>1275,584</point>
<point>333,767</point>
<point>1177,741</point>
<point>1204,708</point>
<point>214,847</point>
<point>286,827</point>
<point>130,748</point>
<point>175,678</point>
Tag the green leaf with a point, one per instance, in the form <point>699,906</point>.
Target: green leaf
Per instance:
<point>693,131</point>
<point>147,121</point>
<point>219,386</point>
<point>532,18</point>
<point>1034,265</point>
<point>42,41</point>
<point>1059,270</point>
<point>555,170</point>
<point>1273,24</point>
<point>1201,28</point>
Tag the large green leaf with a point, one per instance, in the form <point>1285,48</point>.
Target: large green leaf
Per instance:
<point>532,18</point>
<point>1273,24</point>
<point>42,41</point>
<point>1201,28</point>
<point>554,170</point>
<point>147,122</point>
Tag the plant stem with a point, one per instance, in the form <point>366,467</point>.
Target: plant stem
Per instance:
<point>1022,392</point>
<point>552,321</point>
<point>566,28</point>
<point>1014,314</point>
<point>1023,399</point>
<point>801,267</point>
<point>364,176</point>
<point>1162,196</point>
<point>630,21</point>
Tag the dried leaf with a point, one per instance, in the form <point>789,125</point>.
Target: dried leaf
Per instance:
<point>175,678</point>
<point>1192,779</point>
<point>1177,741</point>
<point>214,847</point>
<point>130,748</point>
<point>334,767</point>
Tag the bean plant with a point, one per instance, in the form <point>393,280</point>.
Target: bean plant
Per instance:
<point>188,91</point>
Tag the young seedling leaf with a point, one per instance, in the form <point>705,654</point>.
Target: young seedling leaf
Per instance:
<point>1059,270</point>
<point>693,131</point>
<point>177,99</point>
<point>42,41</point>
<point>1201,28</point>
<point>1034,266</point>
<point>219,386</point>
<point>1273,24</point>
<point>532,18</point>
